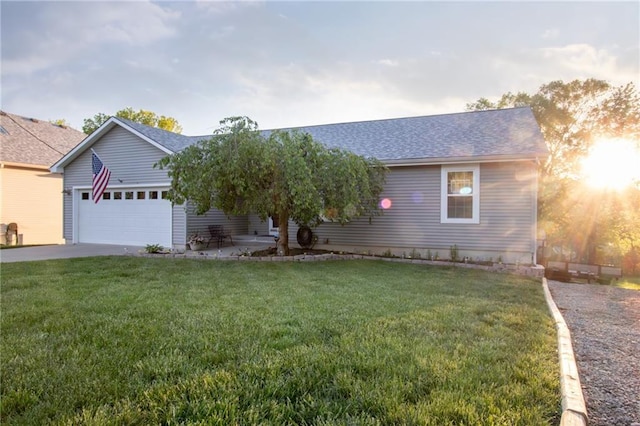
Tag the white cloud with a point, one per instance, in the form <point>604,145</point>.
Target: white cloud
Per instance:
<point>72,30</point>
<point>221,7</point>
<point>295,95</point>
<point>585,61</point>
<point>289,63</point>
<point>387,62</point>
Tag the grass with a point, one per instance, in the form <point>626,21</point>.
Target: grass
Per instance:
<point>629,282</point>
<point>119,340</point>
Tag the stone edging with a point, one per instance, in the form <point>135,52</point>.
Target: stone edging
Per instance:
<point>534,271</point>
<point>574,409</point>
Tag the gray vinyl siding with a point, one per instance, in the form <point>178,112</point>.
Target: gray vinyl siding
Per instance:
<point>178,225</point>
<point>130,160</point>
<point>234,225</point>
<point>507,198</point>
<point>257,225</point>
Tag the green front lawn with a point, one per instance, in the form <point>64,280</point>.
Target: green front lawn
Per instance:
<point>124,340</point>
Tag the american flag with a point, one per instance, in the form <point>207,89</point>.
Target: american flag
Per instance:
<point>101,177</point>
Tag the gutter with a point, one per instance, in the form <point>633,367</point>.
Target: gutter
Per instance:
<point>435,161</point>
<point>4,164</point>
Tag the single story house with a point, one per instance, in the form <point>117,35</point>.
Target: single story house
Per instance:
<point>467,180</point>
<point>30,195</point>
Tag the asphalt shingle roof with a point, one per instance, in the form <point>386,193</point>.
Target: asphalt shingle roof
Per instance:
<point>506,132</point>
<point>511,132</point>
<point>172,141</point>
<point>31,141</point>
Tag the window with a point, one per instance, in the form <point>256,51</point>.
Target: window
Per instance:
<point>106,195</point>
<point>165,195</point>
<point>141,195</point>
<point>128,195</point>
<point>460,194</point>
<point>85,195</point>
<point>117,195</point>
<point>153,195</point>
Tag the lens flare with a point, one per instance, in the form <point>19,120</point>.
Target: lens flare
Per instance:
<point>385,203</point>
<point>612,164</point>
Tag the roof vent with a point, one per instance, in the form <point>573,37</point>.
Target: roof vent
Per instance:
<point>34,120</point>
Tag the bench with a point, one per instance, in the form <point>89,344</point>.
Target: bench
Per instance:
<point>565,271</point>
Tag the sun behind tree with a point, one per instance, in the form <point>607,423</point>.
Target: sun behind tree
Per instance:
<point>612,164</point>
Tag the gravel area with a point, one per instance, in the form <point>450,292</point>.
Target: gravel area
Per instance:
<point>604,322</point>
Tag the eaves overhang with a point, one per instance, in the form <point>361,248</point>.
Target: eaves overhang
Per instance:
<point>435,161</point>
<point>15,165</point>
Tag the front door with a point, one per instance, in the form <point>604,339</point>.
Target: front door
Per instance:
<point>274,226</point>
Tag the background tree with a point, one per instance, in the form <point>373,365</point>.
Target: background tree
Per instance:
<point>60,122</point>
<point>148,118</point>
<point>572,116</point>
<point>240,171</point>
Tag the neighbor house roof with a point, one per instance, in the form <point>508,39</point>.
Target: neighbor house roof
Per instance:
<point>28,141</point>
<point>492,135</point>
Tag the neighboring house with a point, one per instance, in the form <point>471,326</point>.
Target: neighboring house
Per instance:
<point>30,195</point>
<point>467,179</point>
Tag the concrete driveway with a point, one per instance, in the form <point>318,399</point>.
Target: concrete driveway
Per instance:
<point>63,251</point>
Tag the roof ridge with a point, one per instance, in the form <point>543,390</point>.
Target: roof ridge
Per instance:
<point>33,134</point>
<point>398,118</point>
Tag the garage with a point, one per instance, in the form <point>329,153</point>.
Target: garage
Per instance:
<point>131,216</point>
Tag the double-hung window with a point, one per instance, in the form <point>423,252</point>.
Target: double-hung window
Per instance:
<point>460,194</point>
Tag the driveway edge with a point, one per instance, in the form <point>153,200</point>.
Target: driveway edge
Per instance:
<point>574,409</point>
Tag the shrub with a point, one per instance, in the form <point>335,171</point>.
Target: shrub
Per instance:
<point>153,248</point>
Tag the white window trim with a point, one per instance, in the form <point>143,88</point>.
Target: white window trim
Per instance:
<point>444,173</point>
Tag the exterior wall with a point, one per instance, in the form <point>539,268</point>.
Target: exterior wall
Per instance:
<point>412,223</point>
<point>256,226</point>
<point>234,225</point>
<point>130,160</point>
<point>32,198</point>
<point>179,226</point>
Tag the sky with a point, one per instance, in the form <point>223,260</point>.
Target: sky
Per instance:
<point>287,64</point>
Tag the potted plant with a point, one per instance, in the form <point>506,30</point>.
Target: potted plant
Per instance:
<point>196,242</point>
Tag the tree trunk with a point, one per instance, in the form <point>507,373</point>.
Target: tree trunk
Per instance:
<point>282,247</point>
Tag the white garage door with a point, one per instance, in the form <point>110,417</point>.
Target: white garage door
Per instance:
<point>132,216</point>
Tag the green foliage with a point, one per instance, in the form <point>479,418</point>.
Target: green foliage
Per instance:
<point>153,248</point>
<point>288,174</point>
<point>453,253</point>
<point>572,116</point>
<point>149,341</point>
<point>148,118</point>
<point>60,122</point>
<point>387,253</point>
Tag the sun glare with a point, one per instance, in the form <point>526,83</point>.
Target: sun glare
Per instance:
<point>612,164</point>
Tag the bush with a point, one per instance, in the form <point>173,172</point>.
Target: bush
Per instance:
<point>153,248</point>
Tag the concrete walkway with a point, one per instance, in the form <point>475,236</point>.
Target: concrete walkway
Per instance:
<point>63,251</point>
<point>68,251</point>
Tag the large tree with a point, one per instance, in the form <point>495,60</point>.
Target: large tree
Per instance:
<point>142,116</point>
<point>287,173</point>
<point>572,116</point>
